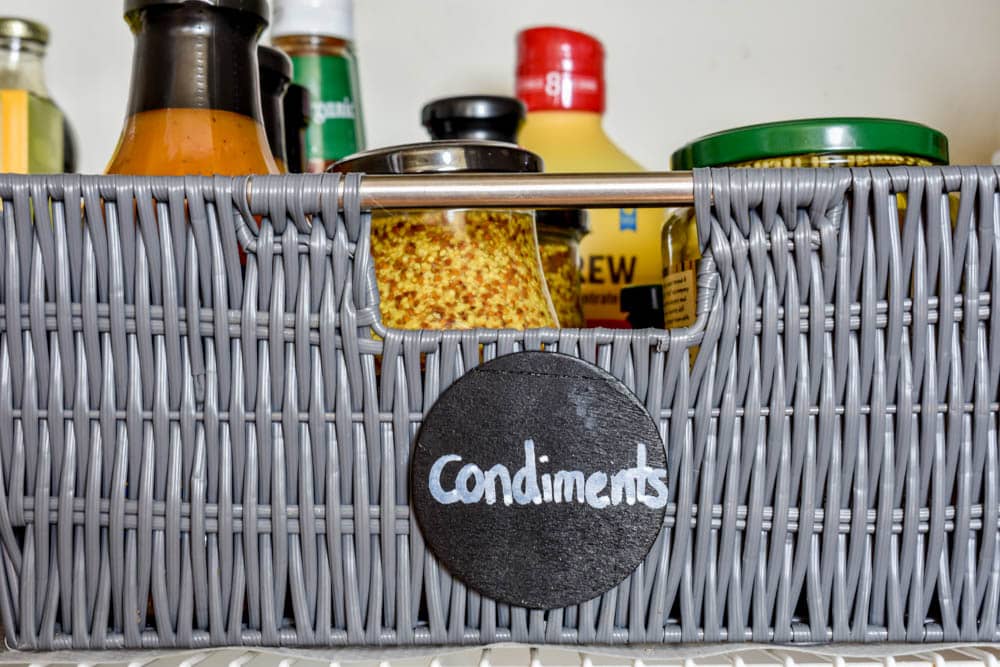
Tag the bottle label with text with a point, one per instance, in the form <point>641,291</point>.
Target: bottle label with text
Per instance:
<point>680,294</point>
<point>622,249</point>
<point>335,129</point>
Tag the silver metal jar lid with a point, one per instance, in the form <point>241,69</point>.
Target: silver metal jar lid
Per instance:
<point>12,27</point>
<point>436,157</point>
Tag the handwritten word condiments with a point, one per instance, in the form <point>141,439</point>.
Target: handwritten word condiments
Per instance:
<point>547,457</point>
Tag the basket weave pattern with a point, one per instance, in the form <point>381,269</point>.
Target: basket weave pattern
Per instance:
<point>203,443</point>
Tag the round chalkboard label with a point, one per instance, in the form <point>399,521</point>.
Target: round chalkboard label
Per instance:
<point>539,480</point>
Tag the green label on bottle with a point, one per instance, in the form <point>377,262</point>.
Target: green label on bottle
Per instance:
<point>335,127</point>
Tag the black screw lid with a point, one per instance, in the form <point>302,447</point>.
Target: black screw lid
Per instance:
<point>297,106</point>
<point>297,114</point>
<point>196,54</point>
<point>490,117</point>
<point>573,219</point>
<point>644,305</point>
<point>272,61</point>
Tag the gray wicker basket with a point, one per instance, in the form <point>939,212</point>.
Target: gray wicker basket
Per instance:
<point>196,452</point>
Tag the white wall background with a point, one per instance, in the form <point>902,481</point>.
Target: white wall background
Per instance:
<point>676,68</point>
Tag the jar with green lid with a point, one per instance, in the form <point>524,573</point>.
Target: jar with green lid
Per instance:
<point>456,268</point>
<point>559,234</point>
<point>819,142</point>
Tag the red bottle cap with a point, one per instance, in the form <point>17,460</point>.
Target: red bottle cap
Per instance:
<point>559,69</point>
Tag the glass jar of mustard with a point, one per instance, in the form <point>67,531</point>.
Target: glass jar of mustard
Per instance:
<point>818,142</point>
<point>456,268</point>
<point>559,234</point>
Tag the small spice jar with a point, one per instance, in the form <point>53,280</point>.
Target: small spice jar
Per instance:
<point>559,234</point>
<point>456,268</point>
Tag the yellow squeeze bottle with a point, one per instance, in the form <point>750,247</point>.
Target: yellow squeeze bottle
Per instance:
<point>560,78</point>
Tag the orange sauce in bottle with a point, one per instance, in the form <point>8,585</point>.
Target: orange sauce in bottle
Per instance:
<point>194,101</point>
<point>176,142</point>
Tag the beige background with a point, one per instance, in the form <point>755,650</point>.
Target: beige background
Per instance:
<point>676,68</point>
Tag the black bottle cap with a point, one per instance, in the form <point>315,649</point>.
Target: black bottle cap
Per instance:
<point>275,75</point>
<point>196,54</point>
<point>258,7</point>
<point>643,305</point>
<point>274,62</point>
<point>297,109</point>
<point>572,219</point>
<point>490,117</point>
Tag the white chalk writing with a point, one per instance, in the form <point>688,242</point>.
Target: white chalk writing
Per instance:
<point>525,487</point>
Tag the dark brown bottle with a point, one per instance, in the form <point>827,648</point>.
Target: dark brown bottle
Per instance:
<point>275,75</point>
<point>194,103</point>
<point>298,111</point>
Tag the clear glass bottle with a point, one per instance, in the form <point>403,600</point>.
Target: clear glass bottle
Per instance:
<point>317,35</point>
<point>32,133</point>
<point>456,268</point>
<point>194,102</point>
<point>483,117</point>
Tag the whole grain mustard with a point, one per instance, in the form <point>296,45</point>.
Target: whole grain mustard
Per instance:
<point>456,268</point>
<point>459,269</point>
<point>559,234</point>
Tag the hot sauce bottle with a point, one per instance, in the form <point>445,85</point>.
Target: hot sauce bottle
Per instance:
<point>194,104</point>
